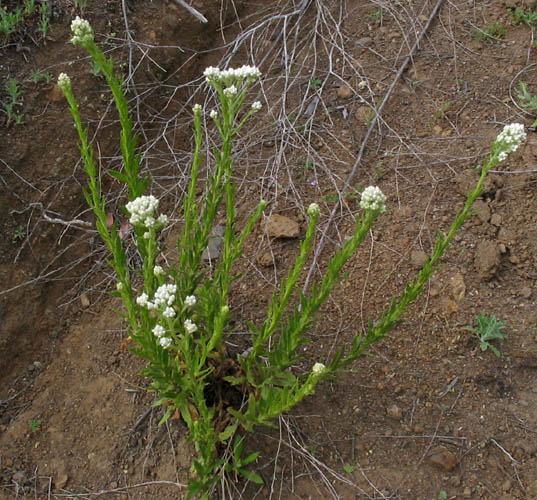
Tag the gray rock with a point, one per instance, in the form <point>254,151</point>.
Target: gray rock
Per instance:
<point>487,259</point>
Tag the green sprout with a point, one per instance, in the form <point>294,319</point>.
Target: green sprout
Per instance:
<point>519,15</point>
<point>527,100</point>
<point>18,235</point>
<point>493,33</point>
<point>44,20</point>
<point>38,76</point>
<point>488,328</point>
<point>34,425</point>
<point>14,93</point>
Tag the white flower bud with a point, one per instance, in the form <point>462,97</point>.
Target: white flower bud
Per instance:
<point>373,199</point>
<point>314,210</point>
<point>318,369</point>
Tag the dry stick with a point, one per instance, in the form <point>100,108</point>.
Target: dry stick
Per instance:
<point>192,10</point>
<point>373,124</point>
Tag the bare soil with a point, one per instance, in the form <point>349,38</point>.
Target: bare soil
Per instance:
<point>428,415</point>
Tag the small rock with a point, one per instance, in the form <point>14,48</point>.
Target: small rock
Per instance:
<point>9,462</point>
<point>84,300</point>
<point>442,458</point>
<point>496,220</point>
<point>266,259</point>
<point>55,94</point>
<point>437,129</point>
<point>344,91</point>
<point>214,247</point>
<point>113,485</point>
<point>525,292</point>
<point>394,412</point>
<point>280,226</point>
<point>467,492</point>
<point>506,486</point>
<point>487,259</point>
<point>418,258</point>
<point>61,480</point>
<point>418,428</point>
<point>458,287</point>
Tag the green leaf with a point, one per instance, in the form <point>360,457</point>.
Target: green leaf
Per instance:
<point>349,468</point>
<point>251,476</point>
<point>119,176</point>
<point>227,432</point>
<point>250,458</point>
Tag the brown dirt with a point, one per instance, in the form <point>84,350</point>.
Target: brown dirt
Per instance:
<point>428,411</point>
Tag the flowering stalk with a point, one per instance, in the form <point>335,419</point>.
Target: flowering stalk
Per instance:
<point>508,141</point>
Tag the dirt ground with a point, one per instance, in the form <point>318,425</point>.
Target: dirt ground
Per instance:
<point>350,99</point>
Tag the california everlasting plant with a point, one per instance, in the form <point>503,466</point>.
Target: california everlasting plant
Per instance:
<point>178,317</point>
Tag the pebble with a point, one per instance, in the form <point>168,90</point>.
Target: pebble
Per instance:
<point>394,412</point>
<point>8,462</point>
<point>418,258</point>
<point>344,91</point>
<point>467,492</point>
<point>214,247</point>
<point>61,480</point>
<point>442,458</point>
<point>84,300</point>
<point>280,226</point>
<point>506,486</point>
<point>525,292</point>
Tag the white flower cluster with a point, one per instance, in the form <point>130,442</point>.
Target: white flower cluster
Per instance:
<point>82,31</point>
<point>313,210</point>
<point>196,109</point>
<point>190,300</point>
<point>373,199</point>
<point>190,326</point>
<point>64,82</point>
<point>213,74</point>
<point>158,271</point>
<point>256,106</point>
<point>164,296</point>
<point>230,91</point>
<point>142,211</point>
<point>213,114</point>
<point>509,139</point>
<point>318,368</point>
<point>160,332</point>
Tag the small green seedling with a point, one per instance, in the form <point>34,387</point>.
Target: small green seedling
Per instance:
<point>349,469</point>
<point>9,21</point>
<point>441,111</point>
<point>519,15</point>
<point>315,83</point>
<point>34,425</point>
<point>378,14</point>
<point>527,100</point>
<point>488,328</point>
<point>14,93</point>
<point>38,76</point>
<point>18,235</point>
<point>29,6</point>
<point>493,33</point>
<point>44,21</point>
<point>442,495</point>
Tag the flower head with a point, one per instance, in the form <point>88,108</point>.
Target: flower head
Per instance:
<point>158,331</point>
<point>165,342</point>
<point>230,91</point>
<point>373,199</point>
<point>119,286</point>
<point>313,210</point>
<point>169,312</point>
<point>190,326</point>
<point>509,139</point>
<point>142,300</point>
<point>158,271</point>
<point>256,106</point>
<point>82,31</point>
<point>196,109</point>
<point>318,369</point>
<point>142,210</point>
<point>213,114</point>
<point>64,82</point>
<point>190,300</point>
